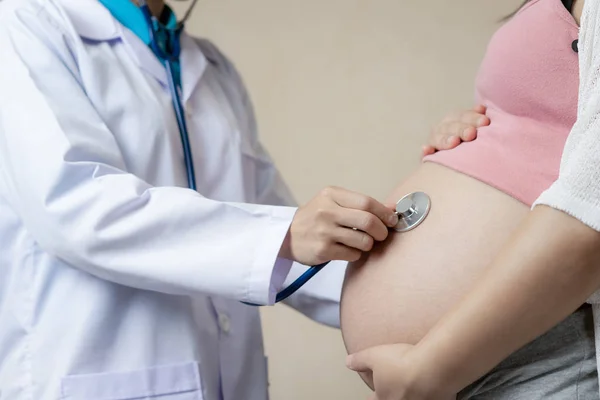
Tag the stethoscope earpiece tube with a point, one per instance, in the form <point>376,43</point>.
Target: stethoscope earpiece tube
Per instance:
<point>168,60</point>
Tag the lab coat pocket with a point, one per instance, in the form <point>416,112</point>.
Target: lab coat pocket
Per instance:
<point>167,382</point>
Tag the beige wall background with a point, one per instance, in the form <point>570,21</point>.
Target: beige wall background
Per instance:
<point>345,92</point>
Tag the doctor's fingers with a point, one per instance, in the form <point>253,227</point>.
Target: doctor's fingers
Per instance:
<point>355,239</point>
<point>343,253</point>
<point>360,223</point>
<point>363,205</point>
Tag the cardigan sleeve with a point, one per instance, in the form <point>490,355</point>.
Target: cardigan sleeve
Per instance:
<point>577,189</point>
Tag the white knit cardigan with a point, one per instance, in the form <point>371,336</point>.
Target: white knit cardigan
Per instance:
<point>577,190</point>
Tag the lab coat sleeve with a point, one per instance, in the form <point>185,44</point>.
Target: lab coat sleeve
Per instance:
<point>319,299</point>
<point>62,172</point>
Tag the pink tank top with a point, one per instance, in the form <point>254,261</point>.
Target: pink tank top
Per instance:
<point>529,80</point>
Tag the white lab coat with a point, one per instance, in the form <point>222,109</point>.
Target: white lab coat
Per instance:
<point>116,281</point>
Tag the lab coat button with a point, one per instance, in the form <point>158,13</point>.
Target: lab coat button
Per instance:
<point>224,323</point>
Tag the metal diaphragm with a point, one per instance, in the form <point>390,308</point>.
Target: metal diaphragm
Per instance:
<point>412,210</point>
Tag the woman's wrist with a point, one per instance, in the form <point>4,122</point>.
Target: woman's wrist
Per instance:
<point>431,373</point>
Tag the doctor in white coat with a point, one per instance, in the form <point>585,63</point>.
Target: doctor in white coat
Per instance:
<point>118,282</point>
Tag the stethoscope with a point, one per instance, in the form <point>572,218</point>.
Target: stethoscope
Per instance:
<point>412,209</point>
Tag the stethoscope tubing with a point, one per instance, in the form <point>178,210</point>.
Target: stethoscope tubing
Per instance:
<point>169,60</point>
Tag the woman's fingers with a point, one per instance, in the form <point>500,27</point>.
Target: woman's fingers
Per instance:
<point>455,129</point>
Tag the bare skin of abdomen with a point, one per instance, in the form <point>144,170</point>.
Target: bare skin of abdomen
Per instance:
<point>407,283</point>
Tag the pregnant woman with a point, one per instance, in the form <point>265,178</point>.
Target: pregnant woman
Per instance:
<point>481,191</point>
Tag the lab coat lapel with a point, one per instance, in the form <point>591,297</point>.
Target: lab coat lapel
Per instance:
<point>144,57</point>
<point>193,62</point>
<point>193,65</point>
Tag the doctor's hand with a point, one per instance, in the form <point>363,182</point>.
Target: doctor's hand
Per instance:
<point>394,373</point>
<point>337,225</point>
<point>456,128</point>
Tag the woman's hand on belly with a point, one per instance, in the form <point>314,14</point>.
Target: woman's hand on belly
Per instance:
<point>391,371</point>
<point>455,128</point>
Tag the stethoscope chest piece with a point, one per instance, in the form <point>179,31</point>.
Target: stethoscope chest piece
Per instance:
<point>412,210</point>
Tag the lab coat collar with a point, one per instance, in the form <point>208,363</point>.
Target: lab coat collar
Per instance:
<point>94,22</point>
<point>91,19</point>
<point>132,17</point>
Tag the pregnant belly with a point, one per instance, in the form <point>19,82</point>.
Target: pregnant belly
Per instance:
<point>402,288</point>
